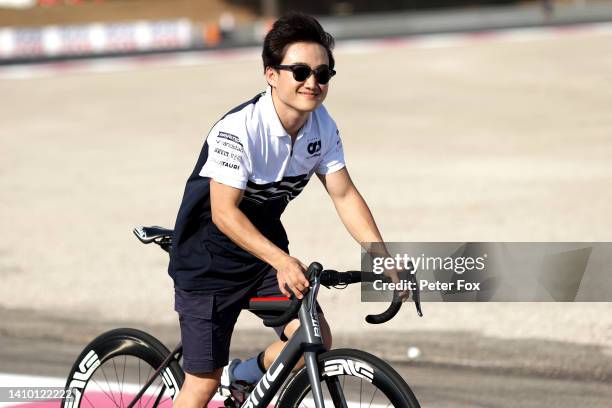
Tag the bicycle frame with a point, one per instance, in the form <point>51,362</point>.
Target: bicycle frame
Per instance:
<point>174,355</point>
<point>306,341</point>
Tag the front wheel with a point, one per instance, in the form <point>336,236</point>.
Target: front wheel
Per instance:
<point>350,378</point>
<point>112,369</point>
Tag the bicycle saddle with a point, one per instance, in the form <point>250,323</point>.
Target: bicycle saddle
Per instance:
<point>146,235</point>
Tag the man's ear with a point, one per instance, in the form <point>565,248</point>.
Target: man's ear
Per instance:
<point>271,76</point>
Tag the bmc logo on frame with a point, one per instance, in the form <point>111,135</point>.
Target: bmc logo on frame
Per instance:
<point>262,387</point>
<point>314,147</point>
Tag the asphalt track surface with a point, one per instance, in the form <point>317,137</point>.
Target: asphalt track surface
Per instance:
<point>487,140</point>
<point>434,386</point>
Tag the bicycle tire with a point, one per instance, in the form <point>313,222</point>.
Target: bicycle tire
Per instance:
<point>359,366</point>
<point>112,349</point>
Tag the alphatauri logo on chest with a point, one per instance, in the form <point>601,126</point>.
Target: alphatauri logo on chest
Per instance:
<point>314,148</point>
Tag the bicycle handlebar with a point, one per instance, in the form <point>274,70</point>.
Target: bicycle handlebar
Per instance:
<point>396,303</point>
<point>163,237</point>
<point>392,310</point>
<point>334,278</point>
<point>314,269</point>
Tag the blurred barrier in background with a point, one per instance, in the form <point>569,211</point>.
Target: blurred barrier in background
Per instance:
<point>33,31</point>
<point>95,39</point>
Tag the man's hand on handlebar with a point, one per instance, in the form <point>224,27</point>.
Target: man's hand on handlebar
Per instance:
<point>394,275</point>
<point>290,274</point>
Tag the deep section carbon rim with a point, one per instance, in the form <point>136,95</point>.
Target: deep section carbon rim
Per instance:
<point>114,367</point>
<point>354,378</point>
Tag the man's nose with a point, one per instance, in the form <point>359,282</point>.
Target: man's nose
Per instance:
<point>311,82</point>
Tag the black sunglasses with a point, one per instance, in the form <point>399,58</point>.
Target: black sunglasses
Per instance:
<point>302,72</point>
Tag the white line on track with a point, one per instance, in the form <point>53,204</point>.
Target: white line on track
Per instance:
<point>31,381</point>
<point>19,380</point>
<point>26,381</point>
<point>198,58</point>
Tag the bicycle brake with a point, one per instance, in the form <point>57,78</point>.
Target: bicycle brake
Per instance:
<point>416,294</point>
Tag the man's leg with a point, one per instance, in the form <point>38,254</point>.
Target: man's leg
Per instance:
<point>207,322</point>
<point>253,369</point>
<point>198,390</point>
<point>275,348</point>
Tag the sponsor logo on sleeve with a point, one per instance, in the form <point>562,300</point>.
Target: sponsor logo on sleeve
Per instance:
<point>226,158</point>
<point>221,152</point>
<point>231,145</point>
<point>229,165</point>
<point>230,137</point>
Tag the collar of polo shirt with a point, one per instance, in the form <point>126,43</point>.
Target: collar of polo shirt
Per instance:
<point>273,123</point>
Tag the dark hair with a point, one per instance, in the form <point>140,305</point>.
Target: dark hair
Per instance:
<point>291,28</point>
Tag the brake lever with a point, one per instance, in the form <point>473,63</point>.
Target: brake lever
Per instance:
<point>416,294</point>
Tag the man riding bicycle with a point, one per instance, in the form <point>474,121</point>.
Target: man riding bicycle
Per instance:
<point>229,244</point>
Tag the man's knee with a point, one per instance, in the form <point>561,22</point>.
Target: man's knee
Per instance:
<point>198,389</point>
<point>291,328</point>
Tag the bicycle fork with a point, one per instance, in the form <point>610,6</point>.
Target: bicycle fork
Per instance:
<point>309,321</point>
<point>333,383</point>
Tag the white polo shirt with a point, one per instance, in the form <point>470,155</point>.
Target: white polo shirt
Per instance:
<point>249,149</point>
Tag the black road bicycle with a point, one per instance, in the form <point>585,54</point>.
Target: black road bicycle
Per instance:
<point>128,367</point>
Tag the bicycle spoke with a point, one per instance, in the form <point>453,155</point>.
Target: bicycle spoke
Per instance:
<point>110,388</point>
<point>373,395</point>
<point>139,385</point>
<point>87,399</point>
<point>336,392</point>
<point>161,403</point>
<point>154,393</point>
<point>123,375</point>
<point>148,377</point>
<point>159,395</point>
<point>370,395</point>
<point>120,372</point>
<point>360,391</point>
<point>110,397</point>
<point>119,384</point>
<point>117,394</point>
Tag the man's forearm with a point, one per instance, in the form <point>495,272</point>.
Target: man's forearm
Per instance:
<point>233,223</point>
<point>357,217</point>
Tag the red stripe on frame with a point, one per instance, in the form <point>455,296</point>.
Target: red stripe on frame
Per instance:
<point>269,299</point>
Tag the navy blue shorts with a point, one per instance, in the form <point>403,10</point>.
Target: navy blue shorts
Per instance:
<point>207,321</point>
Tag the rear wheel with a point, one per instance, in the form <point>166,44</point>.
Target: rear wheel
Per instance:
<point>350,378</point>
<point>113,368</point>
